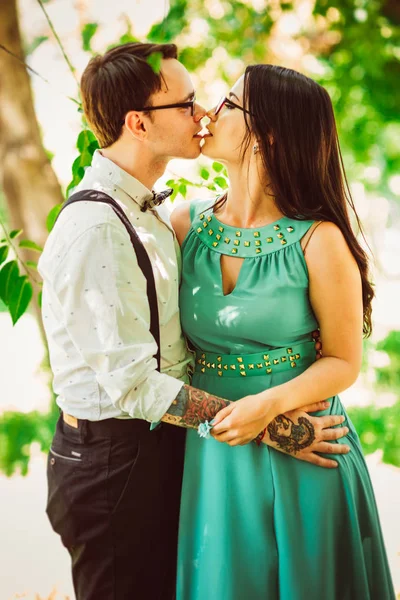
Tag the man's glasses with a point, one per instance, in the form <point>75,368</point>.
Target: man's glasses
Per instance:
<point>226,102</point>
<point>189,104</point>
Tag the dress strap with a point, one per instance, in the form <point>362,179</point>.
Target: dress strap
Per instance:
<point>198,206</point>
<point>310,232</point>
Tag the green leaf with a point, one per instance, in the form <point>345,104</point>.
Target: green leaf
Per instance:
<point>217,167</point>
<point>221,181</point>
<point>154,60</point>
<point>52,216</point>
<point>39,299</point>
<point>8,275</point>
<point>87,33</point>
<point>3,253</point>
<point>204,173</point>
<point>85,139</point>
<point>171,182</point>
<point>32,264</point>
<point>183,189</point>
<point>19,297</point>
<point>15,233</point>
<point>35,44</point>
<point>31,245</point>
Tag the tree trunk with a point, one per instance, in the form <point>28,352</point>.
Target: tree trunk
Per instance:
<point>27,178</point>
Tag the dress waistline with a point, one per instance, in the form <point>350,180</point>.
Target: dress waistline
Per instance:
<point>260,363</point>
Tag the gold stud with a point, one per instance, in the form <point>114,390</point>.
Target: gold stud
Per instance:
<point>293,365</point>
<point>247,244</point>
<point>239,359</point>
<point>205,224</point>
<point>289,350</point>
<point>259,365</point>
<point>213,365</point>
<point>268,363</point>
<point>236,242</point>
<point>215,244</point>
<point>243,373</point>
<point>227,240</point>
<point>238,233</point>
<point>276,361</point>
<point>257,243</point>
<point>292,358</point>
<point>220,373</point>
<point>241,367</point>
<point>280,235</point>
<point>266,357</point>
<point>283,359</point>
<point>233,367</point>
<point>297,356</point>
<point>203,362</point>
<point>208,365</point>
<point>283,242</point>
<point>209,219</point>
<point>219,358</point>
<point>269,371</point>
<point>258,250</point>
<point>199,361</point>
<point>220,229</point>
<point>251,366</point>
<point>269,240</point>
<point>203,370</point>
<point>276,227</point>
<point>226,367</point>
<point>218,236</point>
<point>219,366</point>
<point>201,217</point>
<point>203,355</point>
<point>256,234</point>
<point>210,232</point>
<point>234,250</point>
<point>290,229</point>
<point>199,230</point>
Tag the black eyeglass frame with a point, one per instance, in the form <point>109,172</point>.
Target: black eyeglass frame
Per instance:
<point>190,104</point>
<point>224,100</point>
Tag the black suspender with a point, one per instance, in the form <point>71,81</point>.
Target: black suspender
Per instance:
<point>141,255</point>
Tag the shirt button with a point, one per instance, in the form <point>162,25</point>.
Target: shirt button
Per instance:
<point>52,461</point>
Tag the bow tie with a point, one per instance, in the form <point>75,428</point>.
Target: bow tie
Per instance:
<point>157,199</point>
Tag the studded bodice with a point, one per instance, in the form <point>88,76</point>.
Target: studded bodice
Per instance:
<point>269,306</point>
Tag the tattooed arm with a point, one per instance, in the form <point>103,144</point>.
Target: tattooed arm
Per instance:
<point>192,407</point>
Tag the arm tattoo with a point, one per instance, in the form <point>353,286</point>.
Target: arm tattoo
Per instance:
<point>192,407</point>
<point>290,437</point>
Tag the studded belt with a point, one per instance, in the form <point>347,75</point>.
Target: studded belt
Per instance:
<point>261,363</point>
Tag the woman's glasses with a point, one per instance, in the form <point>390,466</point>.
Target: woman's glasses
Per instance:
<point>226,102</point>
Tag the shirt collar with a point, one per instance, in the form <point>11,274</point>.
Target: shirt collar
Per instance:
<point>106,169</point>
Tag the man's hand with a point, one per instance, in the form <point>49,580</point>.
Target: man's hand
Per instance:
<point>300,435</point>
<point>318,345</point>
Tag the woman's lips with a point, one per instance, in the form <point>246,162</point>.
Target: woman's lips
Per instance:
<point>204,133</point>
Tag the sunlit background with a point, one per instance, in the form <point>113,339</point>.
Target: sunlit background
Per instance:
<point>353,48</point>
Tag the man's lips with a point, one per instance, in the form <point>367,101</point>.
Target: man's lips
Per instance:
<point>203,133</point>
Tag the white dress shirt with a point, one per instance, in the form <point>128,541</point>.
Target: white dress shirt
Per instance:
<point>95,308</point>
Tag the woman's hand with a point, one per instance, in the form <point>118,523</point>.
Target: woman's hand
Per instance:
<point>296,432</point>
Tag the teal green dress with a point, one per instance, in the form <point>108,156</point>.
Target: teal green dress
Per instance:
<point>256,523</point>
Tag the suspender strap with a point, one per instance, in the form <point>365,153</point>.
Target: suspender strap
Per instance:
<point>141,255</point>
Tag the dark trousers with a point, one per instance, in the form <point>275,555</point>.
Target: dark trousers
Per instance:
<point>113,496</point>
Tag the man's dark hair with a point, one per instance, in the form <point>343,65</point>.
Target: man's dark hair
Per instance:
<point>117,82</point>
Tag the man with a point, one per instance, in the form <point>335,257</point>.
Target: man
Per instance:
<point>114,484</point>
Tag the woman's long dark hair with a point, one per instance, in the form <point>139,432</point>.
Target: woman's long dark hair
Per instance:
<point>304,163</point>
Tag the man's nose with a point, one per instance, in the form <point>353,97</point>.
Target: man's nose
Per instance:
<point>199,112</point>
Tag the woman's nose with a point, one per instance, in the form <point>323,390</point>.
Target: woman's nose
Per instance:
<point>211,115</point>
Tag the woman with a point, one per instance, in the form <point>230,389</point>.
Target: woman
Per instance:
<point>265,265</point>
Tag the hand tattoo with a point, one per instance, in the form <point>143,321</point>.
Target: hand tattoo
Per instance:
<point>291,437</point>
<point>192,407</point>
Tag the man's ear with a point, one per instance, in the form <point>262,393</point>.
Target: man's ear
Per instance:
<point>135,124</point>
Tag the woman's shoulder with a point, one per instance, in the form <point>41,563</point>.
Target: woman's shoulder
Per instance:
<point>328,245</point>
<point>183,215</point>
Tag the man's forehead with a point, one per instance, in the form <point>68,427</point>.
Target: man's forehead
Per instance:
<point>177,83</point>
